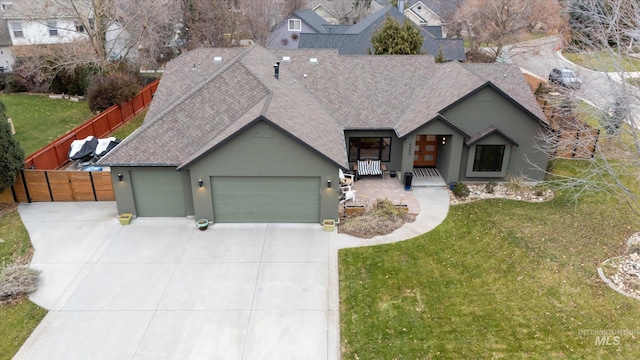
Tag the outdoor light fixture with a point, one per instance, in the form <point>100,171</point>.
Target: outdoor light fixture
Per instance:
<point>444,140</point>
<point>329,183</point>
<point>119,177</point>
<point>200,182</point>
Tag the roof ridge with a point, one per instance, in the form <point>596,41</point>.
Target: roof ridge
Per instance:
<point>419,97</point>
<point>186,95</point>
<point>203,83</point>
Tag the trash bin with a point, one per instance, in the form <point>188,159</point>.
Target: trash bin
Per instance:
<point>452,185</point>
<point>408,177</point>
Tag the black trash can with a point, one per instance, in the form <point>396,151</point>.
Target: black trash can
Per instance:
<point>408,177</point>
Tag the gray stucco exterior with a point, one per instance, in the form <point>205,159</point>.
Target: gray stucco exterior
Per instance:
<point>231,118</point>
<point>250,153</point>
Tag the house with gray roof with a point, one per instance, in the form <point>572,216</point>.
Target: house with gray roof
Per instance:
<point>229,139</point>
<point>307,30</point>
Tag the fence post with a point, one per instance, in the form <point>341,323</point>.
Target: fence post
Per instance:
<point>26,188</point>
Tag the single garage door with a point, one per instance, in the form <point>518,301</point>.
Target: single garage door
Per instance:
<point>266,199</point>
<point>158,193</point>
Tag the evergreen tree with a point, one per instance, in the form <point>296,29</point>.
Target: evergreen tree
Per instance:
<point>11,154</point>
<point>393,39</point>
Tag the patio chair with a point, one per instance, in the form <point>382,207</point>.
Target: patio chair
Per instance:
<point>345,179</point>
<point>347,194</point>
<point>369,167</point>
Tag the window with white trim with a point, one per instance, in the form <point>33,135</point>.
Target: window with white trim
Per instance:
<point>52,25</point>
<point>16,29</point>
<point>295,25</point>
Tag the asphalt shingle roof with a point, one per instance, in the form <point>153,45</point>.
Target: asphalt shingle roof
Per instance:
<point>356,40</point>
<point>195,111</point>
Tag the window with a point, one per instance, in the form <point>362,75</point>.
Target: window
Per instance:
<point>488,158</point>
<point>53,28</point>
<point>376,148</point>
<point>295,25</point>
<point>16,29</point>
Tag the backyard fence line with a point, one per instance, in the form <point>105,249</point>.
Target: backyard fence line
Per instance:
<point>57,185</point>
<point>574,138</point>
<point>41,181</point>
<point>55,155</point>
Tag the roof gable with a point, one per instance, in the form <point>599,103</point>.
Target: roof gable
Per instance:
<point>485,133</point>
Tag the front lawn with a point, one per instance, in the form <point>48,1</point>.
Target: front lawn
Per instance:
<point>497,279</point>
<point>20,316</point>
<point>603,61</point>
<point>39,120</point>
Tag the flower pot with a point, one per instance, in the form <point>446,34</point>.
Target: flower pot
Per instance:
<point>202,224</point>
<point>329,225</point>
<point>125,219</point>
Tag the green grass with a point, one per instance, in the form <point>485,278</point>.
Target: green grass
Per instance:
<point>40,120</point>
<point>128,128</point>
<point>18,322</point>
<point>497,279</point>
<point>603,61</point>
<point>20,318</point>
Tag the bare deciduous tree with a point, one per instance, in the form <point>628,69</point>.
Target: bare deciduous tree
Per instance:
<point>607,33</point>
<point>497,23</point>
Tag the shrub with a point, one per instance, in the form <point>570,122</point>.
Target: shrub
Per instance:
<point>17,280</point>
<point>108,90</point>
<point>516,184</point>
<point>15,83</point>
<point>73,82</point>
<point>461,190</point>
<point>490,187</point>
<point>382,219</point>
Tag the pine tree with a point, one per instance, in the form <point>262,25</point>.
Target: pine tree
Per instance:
<point>393,39</point>
<point>11,154</point>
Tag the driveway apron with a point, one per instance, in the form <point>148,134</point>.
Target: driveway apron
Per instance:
<point>161,289</point>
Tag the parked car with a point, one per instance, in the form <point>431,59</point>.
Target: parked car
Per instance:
<point>565,77</point>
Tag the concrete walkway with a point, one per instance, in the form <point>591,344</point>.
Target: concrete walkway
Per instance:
<point>160,289</point>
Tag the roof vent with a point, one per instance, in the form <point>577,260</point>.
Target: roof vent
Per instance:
<point>286,58</point>
<point>313,60</point>
<point>217,58</point>
<point>276,69</point>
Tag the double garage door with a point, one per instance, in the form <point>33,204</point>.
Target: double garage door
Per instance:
<point>266,199</point>
<point>235,199</point>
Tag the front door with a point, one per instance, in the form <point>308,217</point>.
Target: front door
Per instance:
<point>426,151</point>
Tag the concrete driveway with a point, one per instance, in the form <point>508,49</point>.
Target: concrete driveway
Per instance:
<point>161,289</point>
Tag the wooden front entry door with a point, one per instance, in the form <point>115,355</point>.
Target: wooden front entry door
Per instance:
<point>426,151</point>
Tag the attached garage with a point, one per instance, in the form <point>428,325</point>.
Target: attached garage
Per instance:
<point>158,193</point>
<point>266,199</point>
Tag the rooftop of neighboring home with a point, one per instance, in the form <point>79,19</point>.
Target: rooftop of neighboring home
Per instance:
<point>356,39</point>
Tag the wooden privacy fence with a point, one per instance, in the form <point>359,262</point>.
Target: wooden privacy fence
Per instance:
<point>58,185</point>
<point>55,155</point>
<point>574,139</point>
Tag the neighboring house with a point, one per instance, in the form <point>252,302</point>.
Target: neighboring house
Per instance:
<point>227,140</point>
<point>432,14</point>
<point>41,22</point>
<point>305,29</point>
<point>340,11</point>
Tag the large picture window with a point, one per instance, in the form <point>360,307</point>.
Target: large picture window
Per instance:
<point>488,158</point>
<point>375,148</point>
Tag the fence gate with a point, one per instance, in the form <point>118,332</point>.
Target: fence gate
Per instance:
<point>60,185</point>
